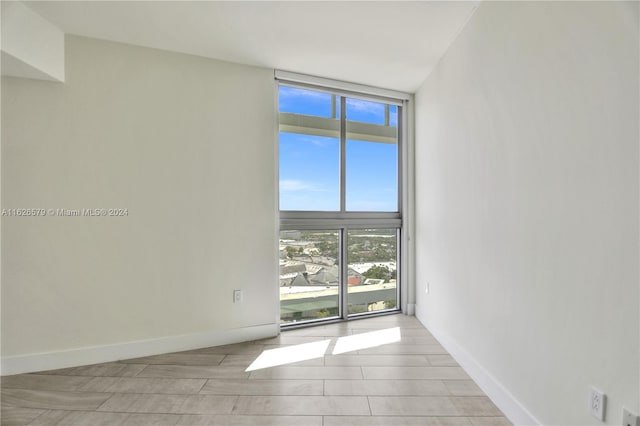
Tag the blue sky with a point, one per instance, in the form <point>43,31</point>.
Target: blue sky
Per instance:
<point>309,165</point>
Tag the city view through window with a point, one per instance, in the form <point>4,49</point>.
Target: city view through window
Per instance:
<point>310,273</point>
<point>339,205</point>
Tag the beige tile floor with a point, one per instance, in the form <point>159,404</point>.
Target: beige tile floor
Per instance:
<point>412,381</point>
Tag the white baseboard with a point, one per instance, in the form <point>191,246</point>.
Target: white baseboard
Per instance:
<point>109,353</point>
<point>500,396</point>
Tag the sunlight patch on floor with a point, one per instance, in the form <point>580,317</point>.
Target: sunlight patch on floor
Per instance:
<point>366,340</point>
<point>290,355</point>
<point>307,351</point>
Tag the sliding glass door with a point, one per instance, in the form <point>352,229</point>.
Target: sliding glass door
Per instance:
<point>340,206</point>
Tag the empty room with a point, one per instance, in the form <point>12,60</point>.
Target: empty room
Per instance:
<point>320,213</point>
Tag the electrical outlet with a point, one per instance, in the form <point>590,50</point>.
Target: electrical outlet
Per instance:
<point>629,419</point>
<point>597,401</point>
<point>237,296</point>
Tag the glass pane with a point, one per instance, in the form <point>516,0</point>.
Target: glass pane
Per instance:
<point>372,176</point>
<point>309,151</point>
<point>371,156</point>
<point>372,256</point>
<point>309,173</point>
<point>304,101</point>
<point>309,275</point>
<point>393,115</point>
<point>365,111</point>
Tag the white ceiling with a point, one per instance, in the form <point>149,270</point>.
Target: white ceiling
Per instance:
<point>389,44</point>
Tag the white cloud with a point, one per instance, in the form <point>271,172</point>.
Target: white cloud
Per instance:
<point>295,93</point>
<point>364,106</point>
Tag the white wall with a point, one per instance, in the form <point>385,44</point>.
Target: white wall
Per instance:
<point>186,144</point>
<point>527,177</point>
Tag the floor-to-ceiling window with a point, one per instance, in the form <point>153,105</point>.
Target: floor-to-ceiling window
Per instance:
<point>340,163</point>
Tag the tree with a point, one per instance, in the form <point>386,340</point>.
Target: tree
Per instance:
<point>379,272</point>
<point>291,251</point>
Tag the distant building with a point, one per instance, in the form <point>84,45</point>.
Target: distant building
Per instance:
<point>354,277</point>
<point>326,275</point>
<point>289,235</point>
<point>290,267</point>
<point>323,260</point>
<point>300,281</point>
<point>363,267</point>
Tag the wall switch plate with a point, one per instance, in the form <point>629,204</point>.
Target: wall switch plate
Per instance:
<point>597,401</point>
<point>629,419</point>
<point>237,296</point>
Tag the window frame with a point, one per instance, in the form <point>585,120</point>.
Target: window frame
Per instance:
<point>344,220</point>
